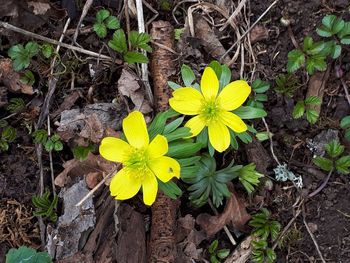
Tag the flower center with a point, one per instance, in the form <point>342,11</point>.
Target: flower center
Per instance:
<point>137,161</point>
<point>210,110</point>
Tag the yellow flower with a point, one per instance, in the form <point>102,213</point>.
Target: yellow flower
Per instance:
<point>212,109</point>
<point>143,162</point>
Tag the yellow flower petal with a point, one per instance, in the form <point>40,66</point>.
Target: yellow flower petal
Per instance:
<point>233,122</point>
<point>209,83</point>
<point>219,136</point>
<point>234,95</point>
<point>135,129</point>
<point>114,149</point>
<point>186,101</point>
<point>165,168</point>
<point>158,147</point>
<point>149,188</point>
<point>124,184</point>
<point>196,124</point>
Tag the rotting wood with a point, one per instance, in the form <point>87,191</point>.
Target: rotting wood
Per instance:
<point>162,245</point>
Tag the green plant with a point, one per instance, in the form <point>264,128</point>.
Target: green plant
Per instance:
<point>21,55</point>
<point>217,255</point>
<point>345,124</point>
<point>15,104</point>
<point>27,255</point>
<point>47,50</point>
<point>27,78</point>
<point>45,206</point>
<point>265,231</point>
<point>303,107</point>
<point>105,21</point>
<point>259,88</point>
<point>81,152</point>
<point>249,177</point>
<point>334,150</point>
<point>54,144</point>
<point>287,84</point>
<point>137,41</point>
<point>40,136</point>
<point>8,135</point>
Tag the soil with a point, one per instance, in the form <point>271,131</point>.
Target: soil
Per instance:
<point>327,214</point>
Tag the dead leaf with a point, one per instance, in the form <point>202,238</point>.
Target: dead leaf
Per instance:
<point>39,8</point>
<point>90,123</point>
<point>74,169</point>
<point>72,226</point>
<point>316,87</point>
<point>129,86</point>
<point>9,8</point>
<point>258,33</point>
<point>10,78</point>
<point>92,179</point>
<point>68,103</point>
<point>234,214</point>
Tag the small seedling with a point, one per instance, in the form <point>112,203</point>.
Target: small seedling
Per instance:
<point>15,105</point>
<point>28,255</point>
<point>8,135</point>
<point>287,84</point>
<point>81,153</point>
<point>265,230</point>
<point>45,206</point>
<point>345,124</point>
<point>27,78</point>
<point>334,150</point>
<point>302,107</point>
<point>217,255</point>
<point>54,144</point>
<point>47,50</point>
<point>137,40</point>
<point>21,55</point>
<point>259,88</point>
<point>249,177</point>
<point>105,21</point>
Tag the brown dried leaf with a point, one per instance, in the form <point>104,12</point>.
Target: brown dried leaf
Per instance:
<point>67,103</point>
<point>129,86</point>
<point>74,169</point>
<point>258,33</point>
<point>234,214</point>
<point>39,8</point>
<point>10,78</point>
<point>316,87</point>
<point>92,179</point>
<point>9,8</point>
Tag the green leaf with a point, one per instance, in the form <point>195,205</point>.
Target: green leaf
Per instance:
<point>173,85</point>
<point>260,86</point>
<point>298,110</point>
<point>345,40</point>
<point>135,57</point>
<point>345,122</point>
<point>20,56</point>
<point>40,136</point>
<point>225,77</point>
<point>49,145</point>
<point>324,163</point>
<point>179,32</point>
<point>296,59</point>
<point>16,51</point>
<point>312,100</point>
<point>308,43</point>
<point>27,255</point>
<point>249,177</point>
<point>32,49</point>
<point>118,43</point>
<point>100,30</point>
<point>337,26</point>
<point>9,134</point>
<point>112,22</point>
<point>345,31</point>
<point>311,116</point>
<point>213,259</point>
<point>315,62</point>
<point>262,136</point>
<point>223,253</point>
<point>248,112</point>
<point>182,132</point>
<point>16,104</point>
<point>347,134</point>
<point>270,255</point>
<point>27,78</point>
<point>4,146</point>
<point>102,15</point>
<point>58,146</point>
<point>173,125</point>
<point>213,246</point>
<point>316,48</point>
<point>183,149</point>
<point>81,153</point>
<point>216,66</point>
<point>187,75</point>
<point>140,40</point>
<point>170,189</point>
<point>342,165</point>
<point>336,51</point>
<point>47,50</point>
<point>334,148</point>
<point>3,123</point>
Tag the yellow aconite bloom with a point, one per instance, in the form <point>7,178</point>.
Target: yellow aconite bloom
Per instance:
<point>212,109</point>
<point>143,162</point>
